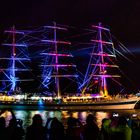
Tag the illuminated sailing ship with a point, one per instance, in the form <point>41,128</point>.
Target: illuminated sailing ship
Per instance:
<point>102,59</point>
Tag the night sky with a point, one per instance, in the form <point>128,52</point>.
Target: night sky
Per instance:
<point>121,16</point>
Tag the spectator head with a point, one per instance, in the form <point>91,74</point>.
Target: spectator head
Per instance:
<point>106,122</point>
<point>122,121</point>
<point>90,118</point>
<point>37,120</point>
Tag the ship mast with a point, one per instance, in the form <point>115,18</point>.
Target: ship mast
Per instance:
<point>101,62</point>
<point>56,62</point>
<point>103,86</point>
<point>56,65</point>
<point>19,55</point>
<point>13,76</point>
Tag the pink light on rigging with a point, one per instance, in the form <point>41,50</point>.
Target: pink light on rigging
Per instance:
<point>56,54</point>
<point>55,27</point>
<point>103,54</point>
<point>58,42</point>
<point>101,41</point>
<point>105,65</point>
<point>59,65</point>
<point>99,27</point>
<point>17,32</point>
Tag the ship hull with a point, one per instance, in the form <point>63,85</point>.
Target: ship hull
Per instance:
<point>71,106</point>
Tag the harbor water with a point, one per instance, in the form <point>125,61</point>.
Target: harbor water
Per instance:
<point>26,115</point>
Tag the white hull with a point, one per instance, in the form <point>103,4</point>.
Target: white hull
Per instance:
<point>99,105</point>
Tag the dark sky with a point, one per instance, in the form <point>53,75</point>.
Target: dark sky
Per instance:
<point>122,16</point>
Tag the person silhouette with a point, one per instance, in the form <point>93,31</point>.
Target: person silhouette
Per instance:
<point>15,130</point>
<point>90,130</point>
<point>73,131</point>
<point>54,129</point>
<point>36,131</point>
<point>2,128</point>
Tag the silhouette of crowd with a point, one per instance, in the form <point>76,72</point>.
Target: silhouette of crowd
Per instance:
<point>113,128</point>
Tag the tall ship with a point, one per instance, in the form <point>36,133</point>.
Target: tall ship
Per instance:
<point>96,89</point>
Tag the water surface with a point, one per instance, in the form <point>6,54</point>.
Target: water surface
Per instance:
<point>62,115</point>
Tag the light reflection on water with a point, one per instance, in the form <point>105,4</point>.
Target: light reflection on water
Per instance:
<point>26,115</point>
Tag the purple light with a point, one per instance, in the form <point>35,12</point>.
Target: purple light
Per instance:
<point>54,27</point>
<point>56,54</point>
<point>57,42</point>
<point>59,65</point>
<point>99,27</point>
<point>17,32</point>
<point>106,76</point>
<point>103,54</point>
<point>104,65</point>
<point>101,41</point>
